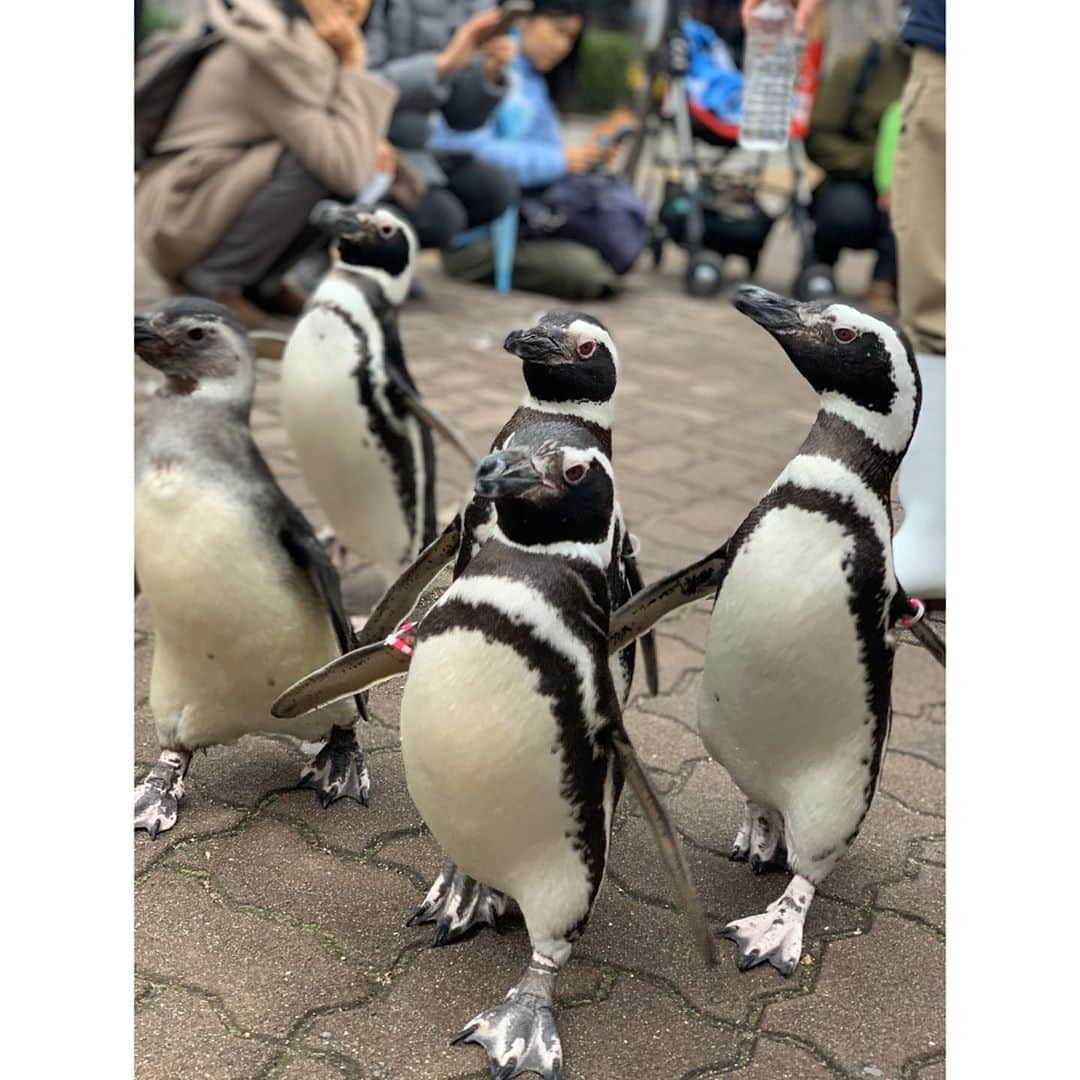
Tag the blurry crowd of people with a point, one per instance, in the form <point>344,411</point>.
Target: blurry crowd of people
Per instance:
<point>452,112</point>
<point>439,107</point>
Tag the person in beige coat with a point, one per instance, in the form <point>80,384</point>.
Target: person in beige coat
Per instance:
<point>279,115</point>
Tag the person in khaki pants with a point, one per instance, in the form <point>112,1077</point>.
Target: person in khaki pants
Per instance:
<point>918,214</point>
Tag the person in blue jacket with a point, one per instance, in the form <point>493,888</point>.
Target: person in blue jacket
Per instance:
<point>524,136</point>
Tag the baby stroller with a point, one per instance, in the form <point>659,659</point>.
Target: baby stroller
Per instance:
<point>705,207</point>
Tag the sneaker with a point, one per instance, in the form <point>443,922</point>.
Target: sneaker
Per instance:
<point>881,296</point>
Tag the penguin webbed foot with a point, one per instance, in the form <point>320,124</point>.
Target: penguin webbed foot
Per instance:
<point>157,798</point>
<point>776,934</point>
<point>339,770</point>
<point>459,906</point>
<point>520,1035</point>
<point>760,840</point>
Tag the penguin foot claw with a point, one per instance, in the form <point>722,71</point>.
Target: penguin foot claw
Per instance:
<point>518,1036</point>
<point>157,798</point>
<point>760,938</point>
<point>760,840</point>
<point>459,906</point>
<point>339,770</point>
<point>776,934</point>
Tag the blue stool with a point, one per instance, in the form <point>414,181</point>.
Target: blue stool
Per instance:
<point>503,232</point>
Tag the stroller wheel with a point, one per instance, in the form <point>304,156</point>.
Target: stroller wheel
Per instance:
<point>705,275</point>
<point>815,282</point>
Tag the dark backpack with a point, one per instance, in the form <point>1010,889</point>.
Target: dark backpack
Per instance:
<point>596,209</point>
<point>168,62</point>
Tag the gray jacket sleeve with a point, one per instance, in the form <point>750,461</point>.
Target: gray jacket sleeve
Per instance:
<point>419,87</point>
<point>472,98</point>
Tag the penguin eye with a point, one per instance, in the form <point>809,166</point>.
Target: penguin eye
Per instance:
<point>586,348</point>
<point>844,334</point>
<point>196,333</point>
<point>575,473</point>
<point>386,231</point>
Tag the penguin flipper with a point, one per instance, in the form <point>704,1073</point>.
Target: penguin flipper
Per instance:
<point>350,674</point>
<point>648,640</point>
<point>667,841</point>
<point>401,597</point>
<point>911,614</point>
<point>929,639</point>
<point>427,415</point>
<point>639,614</point>
<point>310,555</point>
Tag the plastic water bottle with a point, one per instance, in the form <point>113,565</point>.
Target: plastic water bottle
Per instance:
<point>772,54</point>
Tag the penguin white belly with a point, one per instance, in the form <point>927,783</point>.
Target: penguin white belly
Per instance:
<point>235,622</point>
<point>346,466</point>
<point>784,698</point>
<point>481,750</point>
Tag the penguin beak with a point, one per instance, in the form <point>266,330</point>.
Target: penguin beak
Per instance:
<point>537,346</point>
<point>147,339</point>
<point>770,311</point>
<point>507,473</point>
<point>338,220</point>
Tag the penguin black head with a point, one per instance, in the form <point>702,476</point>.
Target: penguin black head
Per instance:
<point>198,345</point>
<point>567,356</point>
<point>550,483</point>
<point>373,239</point>
<point>861,365</point>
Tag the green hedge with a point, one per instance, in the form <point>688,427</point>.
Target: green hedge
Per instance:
<point>606,56</point>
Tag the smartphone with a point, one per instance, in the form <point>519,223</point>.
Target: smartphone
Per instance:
<point>508,12</point>
<point>616,138</point>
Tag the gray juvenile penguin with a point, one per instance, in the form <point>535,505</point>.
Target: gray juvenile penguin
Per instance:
<point>243,597</point>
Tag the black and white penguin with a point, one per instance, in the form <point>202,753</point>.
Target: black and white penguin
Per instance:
<point>570,365</point>
<point>243,597</point>
<point>795,699</point>
<point>361,433</point>
<point>511,727</point>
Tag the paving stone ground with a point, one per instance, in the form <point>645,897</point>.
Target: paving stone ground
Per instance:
<point>270,935</point>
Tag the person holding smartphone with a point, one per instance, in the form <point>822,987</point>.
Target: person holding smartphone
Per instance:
<point>278,116</point>
<point>447,59</point>
<point>524,136</point>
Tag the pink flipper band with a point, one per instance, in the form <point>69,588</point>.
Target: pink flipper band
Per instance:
<point>918,611</point>
<point>403,638</point>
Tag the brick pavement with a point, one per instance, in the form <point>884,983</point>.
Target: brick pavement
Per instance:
<point>270,938</point>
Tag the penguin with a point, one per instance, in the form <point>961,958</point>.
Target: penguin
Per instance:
<point>242,595</point>
<point>570,366</point>
<point>511,728</point>
<point>795,697</point>
<point>362,434</point>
